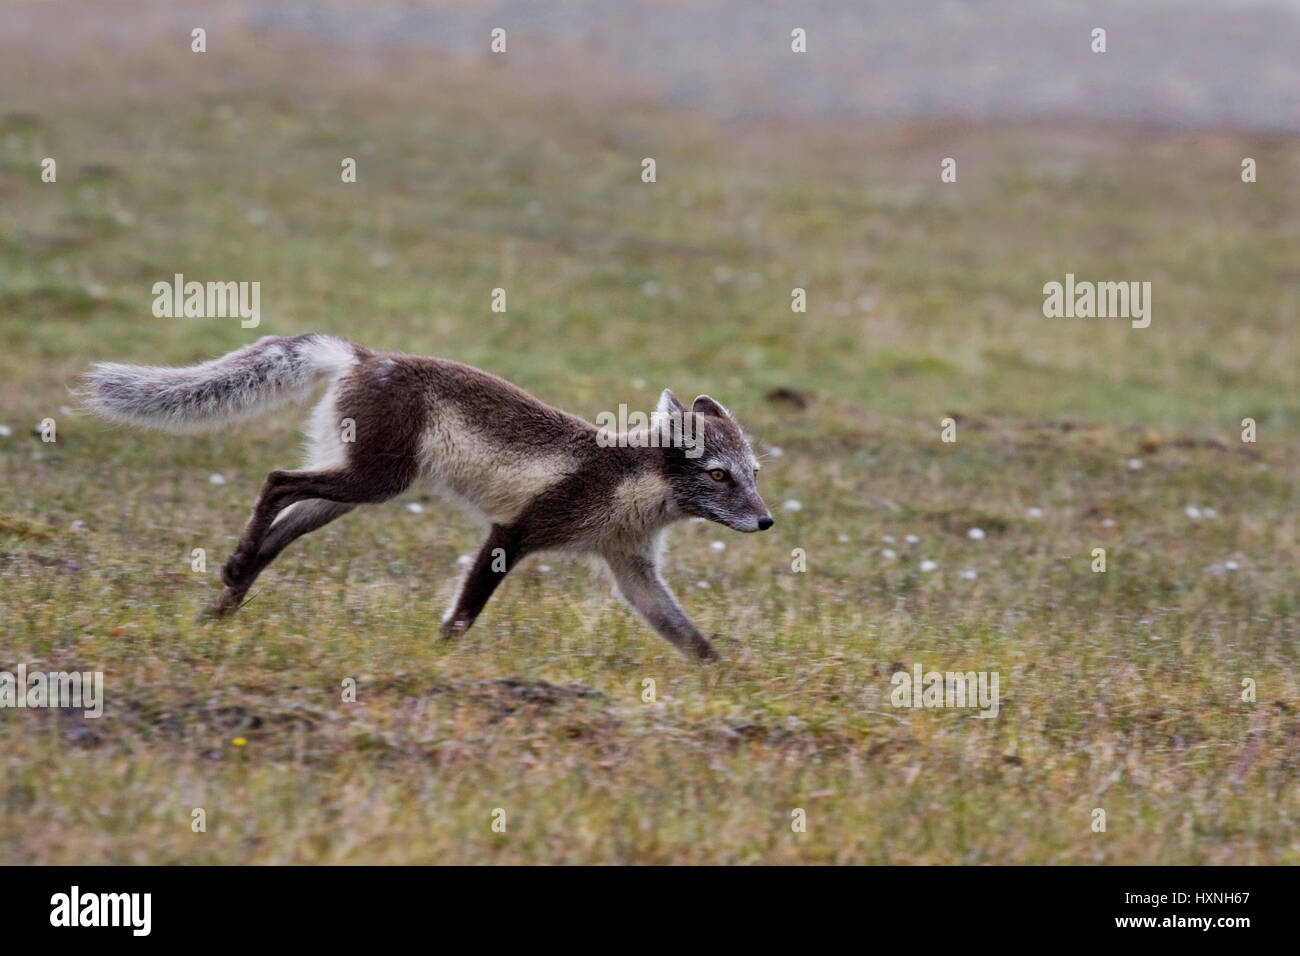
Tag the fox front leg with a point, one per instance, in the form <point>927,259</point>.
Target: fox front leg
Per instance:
<point>496,558</point>
<point>641,585</point>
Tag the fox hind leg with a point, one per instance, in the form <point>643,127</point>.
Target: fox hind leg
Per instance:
<point>293,522</point>
<point>264,537</point>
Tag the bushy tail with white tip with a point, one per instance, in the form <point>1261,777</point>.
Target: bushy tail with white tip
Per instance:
<point>272,371</point>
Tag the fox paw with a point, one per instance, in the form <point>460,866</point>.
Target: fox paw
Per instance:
<point>704,651</point>
<point>453,628</point>
<point>223,606</point>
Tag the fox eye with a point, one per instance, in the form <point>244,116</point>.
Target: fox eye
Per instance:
<point>717,474</point>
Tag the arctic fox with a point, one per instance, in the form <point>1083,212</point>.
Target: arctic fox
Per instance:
<point>544,479</point>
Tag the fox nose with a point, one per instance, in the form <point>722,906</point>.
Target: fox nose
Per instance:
<point>765,522</point>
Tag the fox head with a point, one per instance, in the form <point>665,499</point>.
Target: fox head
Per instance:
<point>711,469</point>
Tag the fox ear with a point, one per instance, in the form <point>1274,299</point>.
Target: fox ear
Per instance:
<point>707,406</point>
<point>668,403</point>
<point>668,410</point>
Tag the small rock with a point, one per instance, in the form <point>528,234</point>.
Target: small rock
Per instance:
<point>788,396</point>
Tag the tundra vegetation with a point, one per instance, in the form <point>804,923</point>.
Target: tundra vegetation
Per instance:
<point>1119,690</point>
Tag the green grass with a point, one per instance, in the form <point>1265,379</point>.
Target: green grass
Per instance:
<point>1119,691</point>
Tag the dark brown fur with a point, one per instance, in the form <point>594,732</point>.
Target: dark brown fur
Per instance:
<point>539,473</point>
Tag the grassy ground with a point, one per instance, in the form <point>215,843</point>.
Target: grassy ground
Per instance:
<point>1120,691</point>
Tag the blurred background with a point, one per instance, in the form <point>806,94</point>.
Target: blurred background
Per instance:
<point>1175,64</point>
<point>815,170</point>
<point>775,171</point>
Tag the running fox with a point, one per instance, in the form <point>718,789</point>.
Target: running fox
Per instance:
<point>544,479</point>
